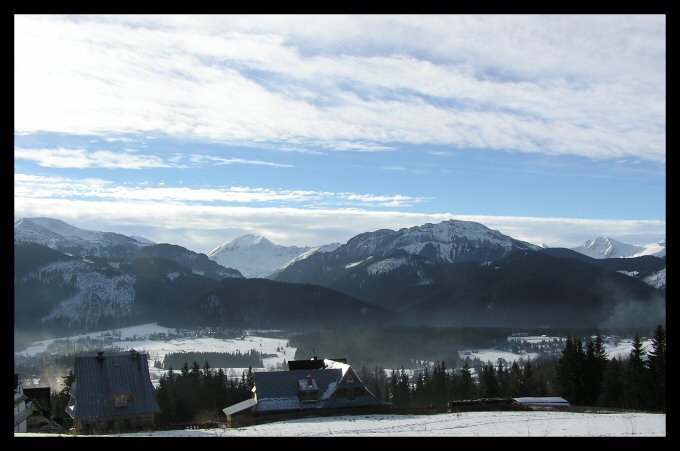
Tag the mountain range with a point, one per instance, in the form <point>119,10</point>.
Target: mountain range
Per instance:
<point>451,273</point>
<point>603,247</point>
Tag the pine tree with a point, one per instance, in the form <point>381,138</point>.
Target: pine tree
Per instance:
<point>595,365</point>
<point>638,376</point>
<point>466,386</point>
<point>570,372</point>
<point>488,382</point>
<point>657,370</point>
<point>502,375</point>
<point>515,381</point>
<point>613,385</point>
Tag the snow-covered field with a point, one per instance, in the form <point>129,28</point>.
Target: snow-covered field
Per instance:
<point>466,424</point>
<point>137,337</point>
<point>621,349</point>
<point>492,355</point>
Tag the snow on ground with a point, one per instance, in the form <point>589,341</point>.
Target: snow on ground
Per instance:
<point>137,338</point>
<point>536,339</point>
<point>465,424</point>
<point>141,331</point>
<point>623,348</point>
<point>492,355</point>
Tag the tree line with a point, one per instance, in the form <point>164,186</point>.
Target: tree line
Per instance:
<point>583,375</point>
<point>198,394</point>
<point>252,358</point>
<point>587,377</point>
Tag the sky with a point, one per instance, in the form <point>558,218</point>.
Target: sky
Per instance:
<point>194,130</point>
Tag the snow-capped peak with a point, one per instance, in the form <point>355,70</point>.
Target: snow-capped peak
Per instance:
<point>604,247</point>
<point>241,242</point>
<point>447,242</point>
<point>320,249</point>
<point>254,255</point>
<point>64,237</point>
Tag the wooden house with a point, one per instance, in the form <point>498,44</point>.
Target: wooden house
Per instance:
<point>112,392</point>
<point>308,388</point>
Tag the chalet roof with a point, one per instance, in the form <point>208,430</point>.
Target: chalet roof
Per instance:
<point>99,381</point>
<point>273,386</point>
<point>543,401</point>
<point>240,407</point>
<point>278,390</point>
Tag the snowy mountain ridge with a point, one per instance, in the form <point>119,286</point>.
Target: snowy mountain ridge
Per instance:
<point>254,255</point>
<point>59,235</point>
<point>446,242</point>
<point>604,247</point>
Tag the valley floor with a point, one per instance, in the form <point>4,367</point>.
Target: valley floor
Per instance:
<point>466,424</point>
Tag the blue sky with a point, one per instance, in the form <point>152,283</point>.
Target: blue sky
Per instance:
<point>310,129</point>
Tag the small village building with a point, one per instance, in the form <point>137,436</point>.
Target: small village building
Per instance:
<point>308,388</point>
<point>21,410</point>
<point>112,392</point>
<point>543,402</point>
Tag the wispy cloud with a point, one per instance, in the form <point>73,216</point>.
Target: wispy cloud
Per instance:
<point>352,83</point>
<point>81,158</point>
<point>130,159</point>
<point>34,186</point>
<point>200,159</point>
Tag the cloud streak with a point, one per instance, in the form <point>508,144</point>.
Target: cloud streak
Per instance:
<point>506,83</point>
<point>34,186</point>
<point>84,159</point>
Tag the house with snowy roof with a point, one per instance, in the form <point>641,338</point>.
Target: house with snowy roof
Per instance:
<point>112,392</point>
<point>313,387</point>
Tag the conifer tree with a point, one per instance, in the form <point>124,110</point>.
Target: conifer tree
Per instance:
<point>570,372</point>
<point>657,370</point>
<point>638,376</point>
<point>613,385</point>
<point>466,386</point>
<point>514,380</point>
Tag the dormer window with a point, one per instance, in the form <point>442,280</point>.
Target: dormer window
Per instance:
<point>308,391</point>
<point>120,400</point>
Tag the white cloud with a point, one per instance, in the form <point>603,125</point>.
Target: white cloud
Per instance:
<point>26,185</point>
<point>202,227</point>
<point>592,86</point>
<point>81,158</point>
<point>198,159</point>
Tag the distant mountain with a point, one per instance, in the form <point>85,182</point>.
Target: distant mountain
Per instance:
<point>522,289</point>
<point>261,304</point>
<point>384,250</point>
<point>198,263</point>
<point>603,247</point>
<point>649,269</point>
<point>141,239</point>
<point>255,256</point>
<point>60,293</point>
<point>66,238</point>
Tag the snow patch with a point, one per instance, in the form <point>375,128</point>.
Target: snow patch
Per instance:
<point>657,280</point>
<point>386,266</point>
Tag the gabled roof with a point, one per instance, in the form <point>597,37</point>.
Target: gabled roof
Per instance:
<point>543,401</point>
<point>278,390</point>
<point>240,407</point>
<point>100,380</point>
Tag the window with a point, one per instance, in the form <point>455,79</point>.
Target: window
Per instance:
<point>120,400</point>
